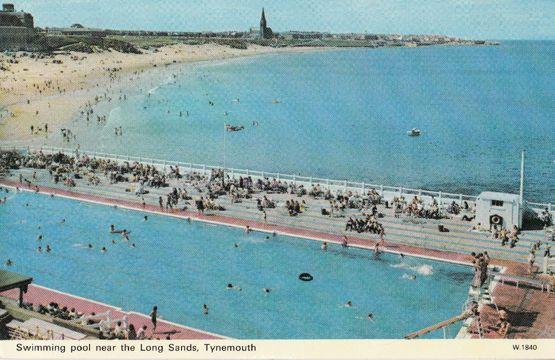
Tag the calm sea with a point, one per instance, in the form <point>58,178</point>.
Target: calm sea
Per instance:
<point>345,114</point>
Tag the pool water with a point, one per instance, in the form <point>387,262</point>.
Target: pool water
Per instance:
<point>180,266</point>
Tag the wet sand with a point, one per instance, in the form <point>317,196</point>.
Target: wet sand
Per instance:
<point>35,92</point>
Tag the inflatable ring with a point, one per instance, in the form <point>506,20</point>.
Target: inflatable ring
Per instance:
<point>305,277</point>
<point>496,219</point>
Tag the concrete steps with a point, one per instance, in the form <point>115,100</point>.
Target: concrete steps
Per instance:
<point>404,230</point>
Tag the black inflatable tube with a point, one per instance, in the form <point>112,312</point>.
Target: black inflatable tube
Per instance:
<point>305,277</point>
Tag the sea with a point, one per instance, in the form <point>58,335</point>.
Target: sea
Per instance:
<point>344,114</point>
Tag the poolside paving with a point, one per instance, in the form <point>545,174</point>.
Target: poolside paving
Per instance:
<point>403,235</point>
<point>41,295</point>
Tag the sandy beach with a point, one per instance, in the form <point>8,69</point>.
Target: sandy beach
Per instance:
<point>35,92</point>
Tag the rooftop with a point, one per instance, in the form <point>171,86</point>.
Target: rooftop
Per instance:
<point>11,280</point>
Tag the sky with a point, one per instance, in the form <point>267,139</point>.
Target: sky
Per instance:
<point>472,19</point>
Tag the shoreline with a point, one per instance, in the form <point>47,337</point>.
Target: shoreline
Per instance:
<point>32,94</point>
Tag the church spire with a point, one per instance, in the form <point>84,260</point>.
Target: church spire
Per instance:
<point>263,19</point>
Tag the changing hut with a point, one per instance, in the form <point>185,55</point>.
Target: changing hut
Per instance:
<point>494,208</point>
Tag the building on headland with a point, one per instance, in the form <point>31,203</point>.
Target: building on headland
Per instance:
<point>265,31</point>
<point>17,29</point>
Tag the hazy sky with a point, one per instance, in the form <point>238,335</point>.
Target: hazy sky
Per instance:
<point>485,19</point>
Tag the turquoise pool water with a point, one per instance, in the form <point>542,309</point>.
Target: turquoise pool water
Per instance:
<point>179,266</point>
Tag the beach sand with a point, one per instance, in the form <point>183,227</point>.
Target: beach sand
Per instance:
<point>35,92</point>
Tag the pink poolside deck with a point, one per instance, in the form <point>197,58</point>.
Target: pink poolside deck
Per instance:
<point>41,295</point>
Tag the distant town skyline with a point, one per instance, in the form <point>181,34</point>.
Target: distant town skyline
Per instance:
<point>495,19</point>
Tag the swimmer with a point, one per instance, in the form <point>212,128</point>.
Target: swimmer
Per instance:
<point>344,243</point>
<point>90,246</point>
<point>266,290</point>
<point>229,286</point>
<point>370,317</point>
<point>324,246</point>
<point>9,262</point>
<point>349,304</point>
<point>267,238</point>
<point>146,218</point>
<point>62,221</point>
<point>48,248</point>
<point>189,220</point>
<point>205,309</point>
<point>113,241</point>
<point>39,249</point>
<point>103,249</point>
<point>39,238</point>
<point>247,229</point>
<point>401,255</point>
<point>235,245</point>
<point>133,245</point>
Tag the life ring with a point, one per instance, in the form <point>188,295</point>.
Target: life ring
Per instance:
<point>496,219</point>
<point>305,277</point>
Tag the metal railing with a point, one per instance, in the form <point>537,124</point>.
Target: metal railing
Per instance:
<point>387,192</point>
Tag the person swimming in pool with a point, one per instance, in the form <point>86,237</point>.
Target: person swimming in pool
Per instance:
<point>266,290</point>
<point>344,243</point>
<point>9,262</point>
<point>349,304</point>
<point>146,218</point>
<point>48,248</point>
<point>39,249</point>
<point>104,250</point>
<point>230,286</point>
<point>370,316</point>
<point>62,221</point>
<point>113,241</point>
<point>125,234</point>
<point>90,246</point>
<point>39,238</point>
<point>235,245</point>
<point>324,246</point>
<point>247,229</point>
<point>133,245</point>
<point>205,309</point>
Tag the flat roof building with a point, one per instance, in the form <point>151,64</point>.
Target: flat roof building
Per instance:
<point>17,29</point>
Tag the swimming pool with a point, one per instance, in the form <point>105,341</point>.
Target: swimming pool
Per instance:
<point>180,266</point>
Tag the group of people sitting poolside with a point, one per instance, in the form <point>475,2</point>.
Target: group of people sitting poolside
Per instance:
<point>500,233</point>
<point>107,329</point>
<point>367,223</point>
<point>417,208</point>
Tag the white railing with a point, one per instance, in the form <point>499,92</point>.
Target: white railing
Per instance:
<point>387,192</point>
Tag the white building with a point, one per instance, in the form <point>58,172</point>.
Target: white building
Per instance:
<point>493,208</point>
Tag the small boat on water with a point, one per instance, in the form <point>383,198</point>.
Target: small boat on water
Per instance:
<point>414,132</point>
<point>233,128</point>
